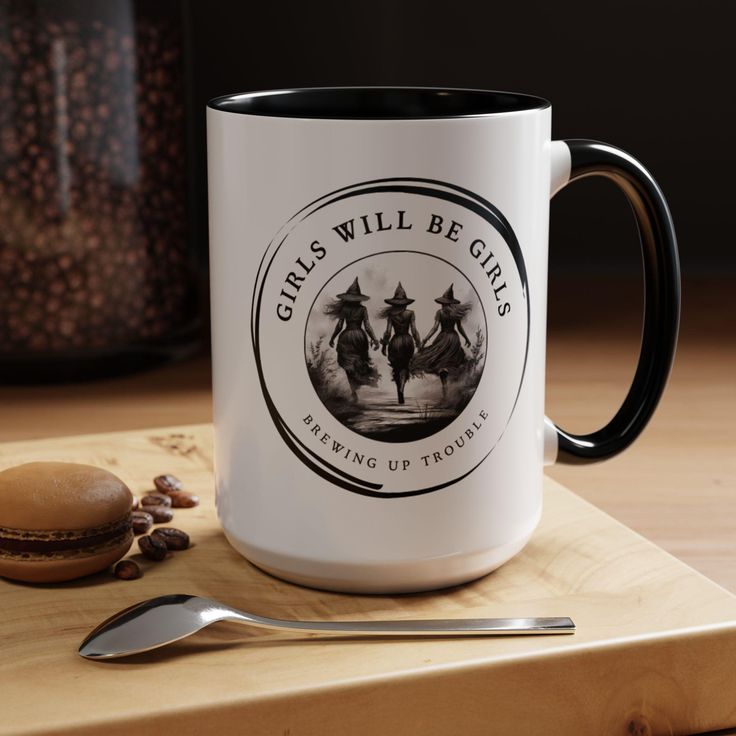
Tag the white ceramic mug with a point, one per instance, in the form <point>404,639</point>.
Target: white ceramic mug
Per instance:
<point>379,287</point>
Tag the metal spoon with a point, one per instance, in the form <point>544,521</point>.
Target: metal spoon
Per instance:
<point>168,618</point>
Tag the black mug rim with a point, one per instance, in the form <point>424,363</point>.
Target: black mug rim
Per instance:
<point>378,103</point>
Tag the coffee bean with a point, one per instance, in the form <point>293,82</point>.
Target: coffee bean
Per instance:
<point>174,539</point>
<point>160,514</point>
<point>167,483</point>
<point>141,521</point>
<point>127,570</point>
<point>136,503</point>
<point>155,499</point>
<point>183,500</point>
<point>152,547</point>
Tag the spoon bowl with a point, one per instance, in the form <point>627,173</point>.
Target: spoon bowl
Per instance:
<point>151,624</point>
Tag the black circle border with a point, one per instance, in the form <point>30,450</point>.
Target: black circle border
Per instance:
<point>406,185</point>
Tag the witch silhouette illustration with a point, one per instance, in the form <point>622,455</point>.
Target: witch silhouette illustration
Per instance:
<point>354,329</point>
<point>400,347</point>
<point>445,357</point>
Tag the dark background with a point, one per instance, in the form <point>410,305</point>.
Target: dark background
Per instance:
<point>652,77</point>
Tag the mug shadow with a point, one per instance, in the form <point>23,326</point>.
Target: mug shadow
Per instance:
<point>261,592</point>
<point>362,598</point>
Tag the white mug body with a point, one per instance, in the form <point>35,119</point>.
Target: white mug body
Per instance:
<point>310,216</point>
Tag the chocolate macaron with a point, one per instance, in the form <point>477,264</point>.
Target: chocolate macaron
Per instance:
<point>60,521</point>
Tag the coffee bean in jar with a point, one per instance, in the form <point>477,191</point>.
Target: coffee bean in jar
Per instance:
<point>96,270</point>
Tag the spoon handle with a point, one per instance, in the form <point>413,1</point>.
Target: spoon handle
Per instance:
<point>422,627</point>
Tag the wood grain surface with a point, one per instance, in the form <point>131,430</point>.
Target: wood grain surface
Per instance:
<point>653,654</point>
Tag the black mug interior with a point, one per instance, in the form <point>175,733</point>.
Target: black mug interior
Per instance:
<point>377,103</point>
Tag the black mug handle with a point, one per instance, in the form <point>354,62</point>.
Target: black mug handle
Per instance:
<point>661,300</point>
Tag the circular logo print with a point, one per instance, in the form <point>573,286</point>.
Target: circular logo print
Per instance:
<point>390,329</point>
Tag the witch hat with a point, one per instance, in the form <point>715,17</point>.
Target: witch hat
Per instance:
<point>448,297</point>
<point>399,298</point>
<point>353,293</point>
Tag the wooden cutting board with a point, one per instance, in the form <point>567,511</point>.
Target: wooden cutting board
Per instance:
<point>654,652</point>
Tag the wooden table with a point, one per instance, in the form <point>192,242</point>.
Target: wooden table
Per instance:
<point>653,653</point>
<point>676,486</point>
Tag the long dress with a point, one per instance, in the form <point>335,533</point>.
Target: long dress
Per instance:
<point>401,345</point>
<point>445,354</point>
<point>352,347</point>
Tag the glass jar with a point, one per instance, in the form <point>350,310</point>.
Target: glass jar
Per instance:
<point>97,270</point>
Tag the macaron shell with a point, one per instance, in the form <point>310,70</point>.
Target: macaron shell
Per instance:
<point>56,571</point>
<point>60,496</point>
